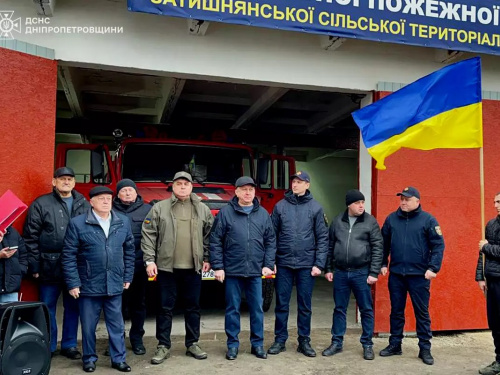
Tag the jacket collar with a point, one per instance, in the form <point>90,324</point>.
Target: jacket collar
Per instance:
<point>236,206</point>
<point>194,199</point>
<point>126,208</point>
<point>295,199</point>
<point>115,219</point>
<point>76,195</point>
<point>410,214</point>
<point>359,218</point>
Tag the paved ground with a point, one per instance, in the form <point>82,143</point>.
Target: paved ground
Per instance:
<point>457,353</point>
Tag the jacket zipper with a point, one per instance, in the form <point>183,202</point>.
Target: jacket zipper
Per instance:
<point>248,239</point>
<point>348,241</point>
<point>404,245</point>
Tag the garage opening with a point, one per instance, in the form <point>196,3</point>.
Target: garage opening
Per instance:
<point>312,129</point>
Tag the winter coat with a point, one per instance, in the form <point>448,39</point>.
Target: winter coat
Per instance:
<point>44,231</point>
<point>301,232</point>
<point>414,241</point>
<point>136,213</point>
<point>99,266</point>
<point>491,251</point>
<point>242,244</point>
<point>14,268</point>
<point>357,247</point>
<point>159,232</point>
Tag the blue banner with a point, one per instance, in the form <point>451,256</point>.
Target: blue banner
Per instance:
<point>463,25</point>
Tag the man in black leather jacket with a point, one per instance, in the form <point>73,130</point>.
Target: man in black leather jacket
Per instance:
<point>488,278</point>
<point>355,257</point>
<point>44,230</point>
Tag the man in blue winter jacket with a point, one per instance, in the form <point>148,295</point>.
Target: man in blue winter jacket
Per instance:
<point>413,239</point>
<point>242,250</point>
<point>302,236</point>
<point>98,264</point>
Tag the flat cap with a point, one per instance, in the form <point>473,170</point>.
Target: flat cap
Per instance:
<point>64,171</point>
<point>98,190</point>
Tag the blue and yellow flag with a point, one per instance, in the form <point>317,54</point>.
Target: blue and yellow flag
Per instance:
<point>441,110</point>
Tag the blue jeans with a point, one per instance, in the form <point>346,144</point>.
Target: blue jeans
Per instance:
<point>343,283</point>
<point>284,285</point>
<point>419,289</point>
<point>253,292</point>
<point>9,297</point>
<point>49,294</point>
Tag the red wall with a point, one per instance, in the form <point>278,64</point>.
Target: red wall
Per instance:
<point>28,87</point>
<point>448,181</point>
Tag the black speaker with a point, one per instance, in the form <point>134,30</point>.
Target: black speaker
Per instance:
<point>24,338</point>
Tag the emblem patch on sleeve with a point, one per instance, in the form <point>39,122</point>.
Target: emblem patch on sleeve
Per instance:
<point>326,219</point>
<point>147,221</point>
<point>438,230</point>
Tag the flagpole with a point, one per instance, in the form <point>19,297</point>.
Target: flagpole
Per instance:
<point>481,179</point>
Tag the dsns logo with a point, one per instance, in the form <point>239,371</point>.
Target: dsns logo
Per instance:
<point>8,24</point>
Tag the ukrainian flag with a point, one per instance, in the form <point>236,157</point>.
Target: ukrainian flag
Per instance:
<point>441,110</point>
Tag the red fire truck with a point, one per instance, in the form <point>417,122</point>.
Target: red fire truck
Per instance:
<point>152,163</point>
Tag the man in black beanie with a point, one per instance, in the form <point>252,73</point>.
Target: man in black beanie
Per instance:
<point>129,203</point>
<point>355,257</point>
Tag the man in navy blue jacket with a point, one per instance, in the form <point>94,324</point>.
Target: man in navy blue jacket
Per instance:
<point>98,264</point>
<point>242,250</point>
<point>413,239</point>
<point>302,233</point>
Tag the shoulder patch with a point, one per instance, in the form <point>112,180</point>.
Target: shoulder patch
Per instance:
<point>147,221</point>
<point>438,230</point>
<point>326,219</point>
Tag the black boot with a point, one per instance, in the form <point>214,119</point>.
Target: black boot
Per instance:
<point>306,349</point>
<point>391,350</point>
<point>426,356</point>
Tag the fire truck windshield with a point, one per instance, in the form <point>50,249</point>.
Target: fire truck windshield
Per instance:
<point>158,162</point>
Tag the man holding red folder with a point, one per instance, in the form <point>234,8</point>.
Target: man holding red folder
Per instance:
<point>44,230</point>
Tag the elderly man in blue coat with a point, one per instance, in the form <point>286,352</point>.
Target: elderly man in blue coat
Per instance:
<point>98,264</point>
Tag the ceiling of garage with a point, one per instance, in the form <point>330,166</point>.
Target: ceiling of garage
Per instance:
<point>94,102</point>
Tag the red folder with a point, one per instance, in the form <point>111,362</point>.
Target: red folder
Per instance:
<point>11,207</point>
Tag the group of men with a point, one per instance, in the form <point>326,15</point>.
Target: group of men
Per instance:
<point>92,253</point>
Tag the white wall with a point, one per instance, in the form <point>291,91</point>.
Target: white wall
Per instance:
<point>162,45</point>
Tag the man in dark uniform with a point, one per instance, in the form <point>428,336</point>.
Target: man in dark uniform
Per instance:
<point>44,230</point>
<point>413,239</point>
<point>302,237</point>
<point>131,204</point>
<point>98,264</point>
<point>488,278</point>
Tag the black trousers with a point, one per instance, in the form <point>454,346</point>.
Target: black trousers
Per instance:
<point>493,309</point>
<point>419,290</point>
<point>187,285</point>
<point>135,298</point>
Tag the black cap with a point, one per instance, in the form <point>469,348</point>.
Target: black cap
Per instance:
<point>125,183</point>
<point>409,192</point>
<point>301,175</point>
<point>98,190</point>
<point>183,175</point>
<point>245,180</point>
<point>64,171</point>
<point>352,196</point>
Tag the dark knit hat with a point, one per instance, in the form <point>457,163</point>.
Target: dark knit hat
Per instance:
<point>98,190</point>
<point>352,196</point>
<point>125,183</point>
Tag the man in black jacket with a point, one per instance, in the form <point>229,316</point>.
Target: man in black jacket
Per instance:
<point>302,236</point>
<point>354,262</point>
<point>242,250</point>
<point>488,278</point>
<point>13,264</point>
<point>129,203</point>
<point>44,230</point>
<point>413,239</point>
